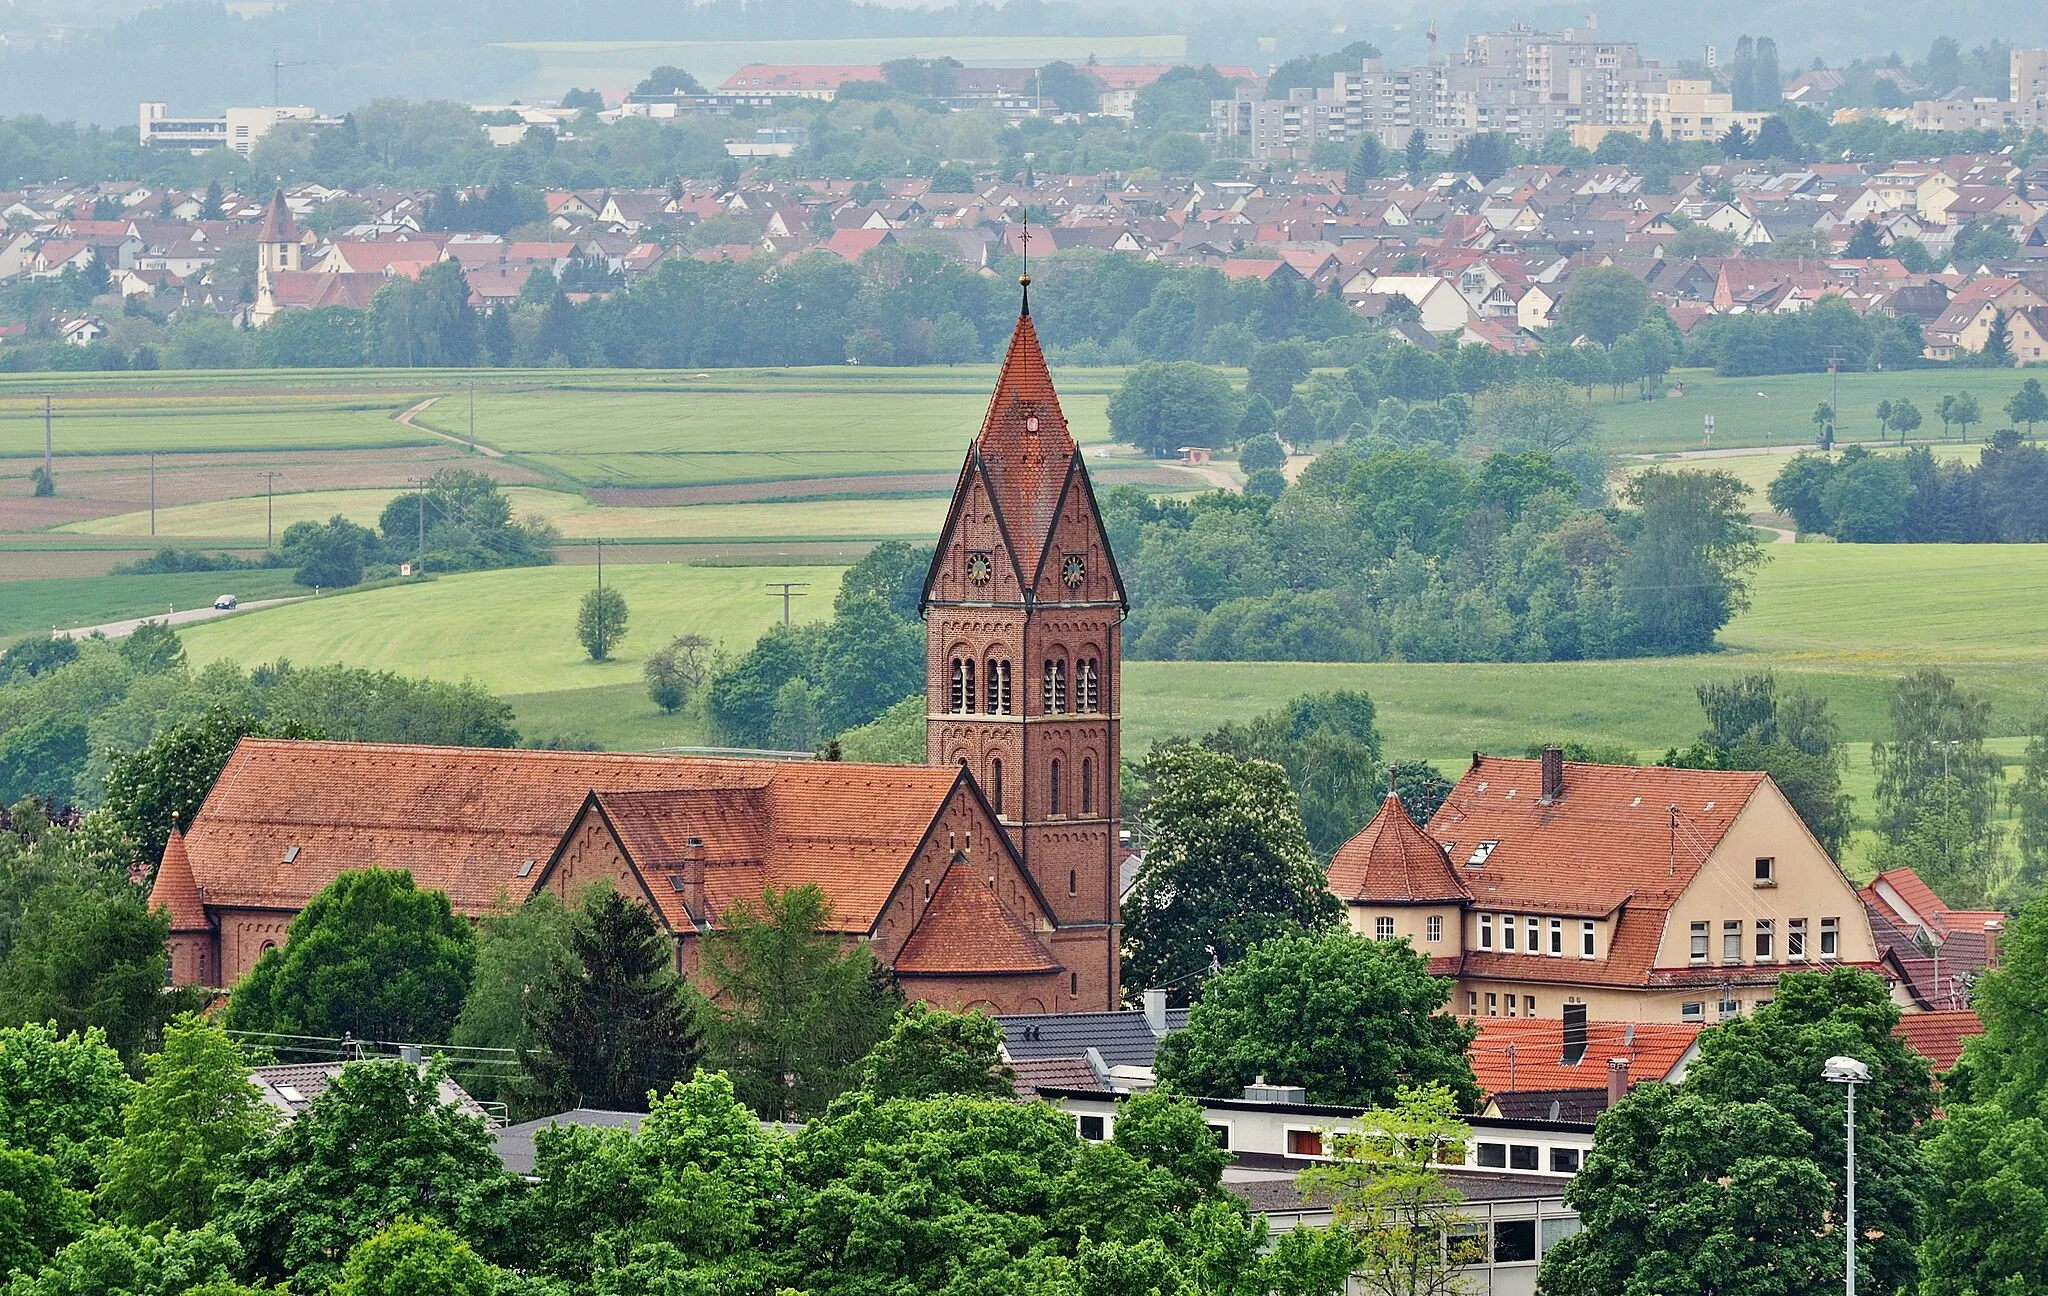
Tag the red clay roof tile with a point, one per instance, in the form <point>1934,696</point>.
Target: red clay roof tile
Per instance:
<point>1392,861</point>
<point>1518,1056</point>
<point>1609,837</point>
<point>175,891</point>
<point>966,929</point>
<point>1025,446</point>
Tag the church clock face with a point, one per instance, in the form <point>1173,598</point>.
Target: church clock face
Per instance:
<point>979,568</point>
<point>1073,571</point>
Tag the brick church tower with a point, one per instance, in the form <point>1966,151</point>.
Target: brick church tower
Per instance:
<point>1023,609</point>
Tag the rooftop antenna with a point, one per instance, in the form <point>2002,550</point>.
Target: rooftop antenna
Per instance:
<point>1431,35</point>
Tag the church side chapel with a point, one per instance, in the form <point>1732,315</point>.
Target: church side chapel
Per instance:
<point>985,878</point>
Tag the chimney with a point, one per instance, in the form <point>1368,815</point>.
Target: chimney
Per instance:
<point>1574,1034</point>
<point>693,877</point>
<point>1553,774</point>
<point>1617,1080</point>
<point>1155,1011</point>
<point>1992,931</point>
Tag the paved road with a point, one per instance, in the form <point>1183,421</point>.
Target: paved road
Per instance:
<point>121,629</point>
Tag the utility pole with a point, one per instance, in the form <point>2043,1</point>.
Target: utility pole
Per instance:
<point>472,415</point>
<point>785,591</point>
<point>47,415</point>
<point>1835,398</point>
<point>604,647</point>
<point>419,561</point>
<point>268,479</point>
<point>152,493</point>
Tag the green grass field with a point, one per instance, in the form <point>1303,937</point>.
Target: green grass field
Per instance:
<point>96,428</point>
<point>767,433</point>
<point>573,515</point>
<point>1757,468</point>
<point>515,631</point>
<point>32,606</point>
<point>1783,413</point>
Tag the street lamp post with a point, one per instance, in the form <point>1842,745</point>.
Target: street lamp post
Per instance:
<point>1848,1073</point>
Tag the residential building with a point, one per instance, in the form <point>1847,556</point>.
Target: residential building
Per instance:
<point>985,878</point>
<point>1962,113</point>
<point>798,81</point>
<point>2028,89</point>
<point>1644,893</point>
<point>1520,82</point>
<point>238,129</point>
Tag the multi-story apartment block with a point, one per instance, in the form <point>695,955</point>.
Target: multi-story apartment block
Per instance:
<point>1521,83</point>
<point>2028,90</point>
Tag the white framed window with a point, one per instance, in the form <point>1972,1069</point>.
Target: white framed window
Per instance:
<point>1383,929</point>
<point>1486,931</point>
<point>1433,928</point>
<point>1528,1005</point>
<point>1585,938</point>
<point>1731,941</point>
<point>1471,1003</point>
<point>1692,1012</point>
<point>1511,1005</point>
<point>1830,937</point>
<point>1556,937</point>
<point>1699,942</point>
<point>1535,942</point>
<point>1766,871</point>
<point>1766,940</point>
<point>1508,928</point>
<point>1795,939</point>
<point>1492,1004</point>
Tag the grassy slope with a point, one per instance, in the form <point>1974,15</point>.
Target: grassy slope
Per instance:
<point>1784,413</point>
<point>515,631</point>
<point>575,516</point>
<point>1759,468</point>
<point>37,605</point>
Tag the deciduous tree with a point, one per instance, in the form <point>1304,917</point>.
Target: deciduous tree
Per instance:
<point>371,956</point>
<point>1349,1019</point>
<point>194,1114</point>
<point>601,622</point>
<point>929,1051</point>
<point>798,1008</point>
<point>1227,865</point>
<point>1401,1212</point>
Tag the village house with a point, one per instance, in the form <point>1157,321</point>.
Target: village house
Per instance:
<point>1644,893</point>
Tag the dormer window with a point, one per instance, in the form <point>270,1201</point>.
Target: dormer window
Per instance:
<point>1479,854</point>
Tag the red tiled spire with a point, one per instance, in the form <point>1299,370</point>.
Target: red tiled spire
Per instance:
<point>278,226</point>
<point>1393,861</point>
<point>966,928</point>
<point>1024,442</point>
<point>176,891</point>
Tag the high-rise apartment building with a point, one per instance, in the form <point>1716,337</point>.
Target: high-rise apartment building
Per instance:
<point>1520,82</point>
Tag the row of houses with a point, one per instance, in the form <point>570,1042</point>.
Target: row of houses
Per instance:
<point>1480,262</point>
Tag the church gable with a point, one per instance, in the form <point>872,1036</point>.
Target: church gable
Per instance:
<point>965,829</point>
<point>1077,533</point>
<point>975,531</point>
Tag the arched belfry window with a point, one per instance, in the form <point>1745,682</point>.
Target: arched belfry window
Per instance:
<point>1087,686</point>
<point>1055,689</point>
<point>999,702</point>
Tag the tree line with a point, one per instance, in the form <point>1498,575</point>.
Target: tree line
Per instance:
<point>1866,497</point>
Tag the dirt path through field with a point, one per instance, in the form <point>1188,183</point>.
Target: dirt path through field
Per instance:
<point>421,408</point>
